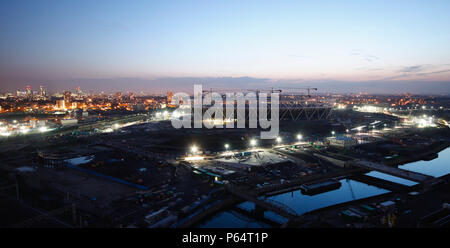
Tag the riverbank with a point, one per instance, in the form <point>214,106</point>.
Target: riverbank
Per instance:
<point>414,157</point>
<point>407,209</point>
<point>323,210</point>
<point>284,187</point>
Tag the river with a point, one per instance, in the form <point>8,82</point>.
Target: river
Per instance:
<point>349,190</point>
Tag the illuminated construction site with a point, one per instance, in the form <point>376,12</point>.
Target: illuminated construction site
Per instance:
<point>136,170</point>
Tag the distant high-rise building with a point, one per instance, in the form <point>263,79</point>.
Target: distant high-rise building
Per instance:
<point>79,92</point>
<point>169,97</point>
<point>60,104</point>
<point>67,99</point>
<point>28,90</point>
<point>21,93</point>
<point>118,95</point>
<point>42,91</point>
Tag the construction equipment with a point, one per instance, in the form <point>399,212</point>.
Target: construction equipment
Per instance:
<point>307,88</point>
<point>271,90</point>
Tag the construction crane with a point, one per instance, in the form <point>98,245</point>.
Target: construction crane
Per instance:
<point>271,90</point>
<point>307,88</point>
<point>222,90</point>
<point>239,90</point>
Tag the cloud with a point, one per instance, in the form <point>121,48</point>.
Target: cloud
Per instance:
<point>418,71</point>
<point>370,58</point>
<point>366,57</point>
<point>415,68</point>
<point>369,69</point>
<point>393,77</point>
<point>433,72</point>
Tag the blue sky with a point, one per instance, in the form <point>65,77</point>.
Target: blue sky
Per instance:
<point>290,41</point>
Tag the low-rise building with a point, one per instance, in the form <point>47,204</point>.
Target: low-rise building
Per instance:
<point>342,141</point>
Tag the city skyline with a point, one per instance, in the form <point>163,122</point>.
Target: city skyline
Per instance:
<point>239,115</point>
<point>136,85</point>
<point>345,46</point>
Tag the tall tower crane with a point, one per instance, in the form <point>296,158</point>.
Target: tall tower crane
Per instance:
<point>248,90</point>
<point>307,88</point>
<point>271,90</point>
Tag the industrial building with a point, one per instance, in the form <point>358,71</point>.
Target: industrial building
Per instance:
<point>342,141</point>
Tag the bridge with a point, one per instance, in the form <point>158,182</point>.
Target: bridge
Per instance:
<point>409,175</point>
<point>271,205</point>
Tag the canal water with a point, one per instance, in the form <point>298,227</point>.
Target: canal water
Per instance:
<point>349,190</point>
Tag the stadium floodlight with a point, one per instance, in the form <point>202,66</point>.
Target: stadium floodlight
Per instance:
<point>194,149</point>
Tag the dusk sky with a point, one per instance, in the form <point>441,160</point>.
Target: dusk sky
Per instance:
<point>342,46</point>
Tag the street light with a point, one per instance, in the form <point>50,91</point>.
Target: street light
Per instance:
<point>227,146</point>
<point>278,140</point>
<point>194,149</point>
<point>333,133</point>
<point>253,142</point>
